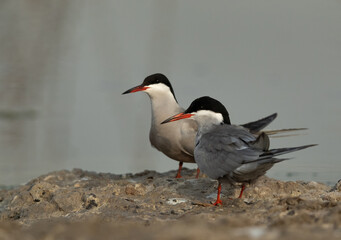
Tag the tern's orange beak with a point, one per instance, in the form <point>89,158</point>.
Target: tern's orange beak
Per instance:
<point>136,89</point>
<point>178,117</point>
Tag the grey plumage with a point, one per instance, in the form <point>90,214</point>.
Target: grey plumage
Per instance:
<point>231,152</point>
<point>177,140</point>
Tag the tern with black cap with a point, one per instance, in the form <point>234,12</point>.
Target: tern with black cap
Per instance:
<point>227,152</point>
<point>177,140</point>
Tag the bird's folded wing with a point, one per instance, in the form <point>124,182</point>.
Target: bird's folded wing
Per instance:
<point>224,149</point>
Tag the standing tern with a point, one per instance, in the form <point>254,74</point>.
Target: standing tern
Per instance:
<point>227,152</point>
<point>177,140</point>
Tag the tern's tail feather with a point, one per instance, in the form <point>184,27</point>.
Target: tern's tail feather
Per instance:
<point>258,125</point>
<point>279,151</point>
<point>285,130</point>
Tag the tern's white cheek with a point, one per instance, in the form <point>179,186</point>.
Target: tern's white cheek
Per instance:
<point>205,117</point>
<point>157,89</point>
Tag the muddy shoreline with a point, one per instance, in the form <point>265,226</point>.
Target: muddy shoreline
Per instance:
<point>152,205</point>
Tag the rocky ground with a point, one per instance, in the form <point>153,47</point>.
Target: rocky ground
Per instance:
<point>86,205</point>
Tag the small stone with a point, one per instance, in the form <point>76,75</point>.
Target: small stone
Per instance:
<point>49,177</point>
<point>248,201</point>
<point>135,189</point>
<point>291,212</point>
<point>68,200</point>
<point>89,201</point>
<point>175,201</point>
<point>14,215</point>
<point>116,192</point>
<point>333,196</point>
<point>42,191</point>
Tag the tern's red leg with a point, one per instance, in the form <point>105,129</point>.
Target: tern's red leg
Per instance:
<point>198,172</point>
<point>178,175</point>
<point>218,196</point>
<point>241,191</point>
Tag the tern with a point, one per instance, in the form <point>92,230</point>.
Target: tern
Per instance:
<point>177,140</point>
<point>227,152</point>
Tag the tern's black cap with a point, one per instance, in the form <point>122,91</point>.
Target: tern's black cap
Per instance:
<point>157,78</point>
<point>208,103</point>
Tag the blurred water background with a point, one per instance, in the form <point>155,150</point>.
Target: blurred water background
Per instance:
<point>64,65</point>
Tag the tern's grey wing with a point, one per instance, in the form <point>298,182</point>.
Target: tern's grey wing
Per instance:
<point>225,148</point>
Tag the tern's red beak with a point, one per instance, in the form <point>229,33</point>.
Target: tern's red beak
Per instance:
<point>178,117</point>
<point>136,89</point>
